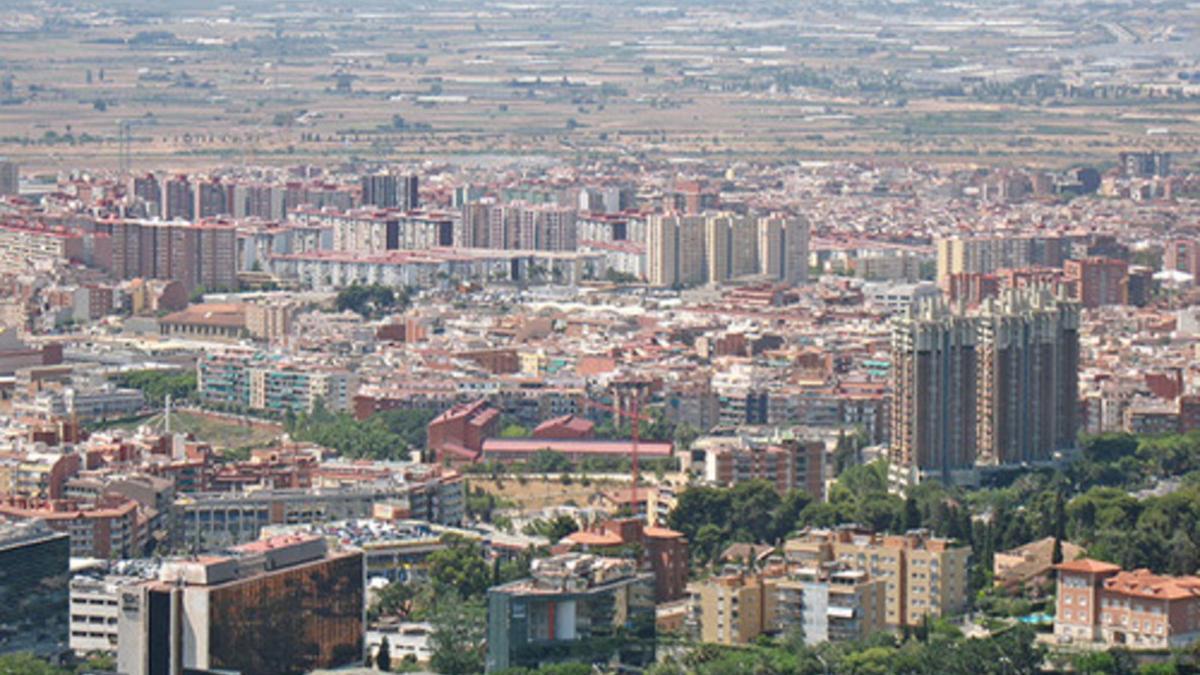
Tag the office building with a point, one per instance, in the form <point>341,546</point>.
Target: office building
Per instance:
<point>573,608</point>
<point>924,575</point>
<point>1098,603</point>
<point>34,569</point>
<point>279,605</point>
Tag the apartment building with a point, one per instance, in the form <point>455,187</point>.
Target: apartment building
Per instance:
<point>24,246</point>
<point>1098,602</point>
<point>111,527</point>
<point>788,464</point>
<point>732,609</point>
<point>828,603</point>
<point>990,387</point>
<point>924,575</point>
<point>1098,281</point>
<point>676,251</point>
<point>571,609</point>
<point>988,254</point>
<point>196,255</point>
<point>783,248</point>
<point>258,381</point>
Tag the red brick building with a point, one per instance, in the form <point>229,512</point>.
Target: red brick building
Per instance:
<point>565,427</point>
<point>1099,281</point>
<point>458,434</point>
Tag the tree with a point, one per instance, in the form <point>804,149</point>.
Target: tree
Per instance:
<point>514,431</point>
<point>370,301</point>
<point>383,659</point>
<point>548,461</point>
<point>911,518</point>
<point>156,385</point>
<point>459,568</point>
<point>560,527</point>
<point>395,599</point>
<point>24,663</point>
<point>457,639</point>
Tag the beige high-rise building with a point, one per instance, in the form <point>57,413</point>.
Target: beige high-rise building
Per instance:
<point>730,247</point>
<point>675,250</point>
<point>783,248</point>
<point>925,575</point>
<point>984,255</point>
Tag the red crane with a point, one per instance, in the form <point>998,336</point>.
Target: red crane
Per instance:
<point>637,387</point>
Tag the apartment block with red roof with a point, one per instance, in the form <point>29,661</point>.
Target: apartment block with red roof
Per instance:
<point>1100,602</point>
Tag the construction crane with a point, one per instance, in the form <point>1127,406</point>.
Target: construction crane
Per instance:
<point>124,138</point>
<point>632,389</point>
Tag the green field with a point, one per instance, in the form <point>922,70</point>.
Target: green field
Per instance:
<point>221,434</point>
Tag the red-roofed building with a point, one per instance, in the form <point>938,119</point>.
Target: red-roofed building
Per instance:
<point>663,551</point>
<point>565,427</point>
<point>1100,602</point>
<point>457,435</point>
<point>522,449</point>
<point>113,527</point>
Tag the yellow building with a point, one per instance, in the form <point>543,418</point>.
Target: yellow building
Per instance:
<point>925,575</point>
<point>733,609</point>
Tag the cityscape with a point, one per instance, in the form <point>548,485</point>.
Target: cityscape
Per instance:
<point>844,337</point>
